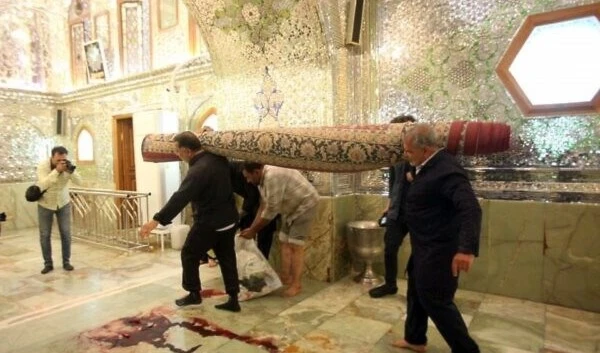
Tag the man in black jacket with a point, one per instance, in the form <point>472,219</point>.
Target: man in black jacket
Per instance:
<point>396,229</point>
<point>208,187</point>
<point>444,220</point>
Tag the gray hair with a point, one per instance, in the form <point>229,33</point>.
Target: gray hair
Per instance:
<point>422,135</point>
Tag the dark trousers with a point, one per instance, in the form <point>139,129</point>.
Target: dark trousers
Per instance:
<point>439,306</point>
<point>199,240</point>
<point>395,231</point>
<point>264,238</point>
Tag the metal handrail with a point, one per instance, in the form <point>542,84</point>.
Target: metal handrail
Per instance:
<point>115,193</point>
<point>109,217</point>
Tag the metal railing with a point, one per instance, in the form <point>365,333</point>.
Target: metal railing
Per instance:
<point>109,217</point>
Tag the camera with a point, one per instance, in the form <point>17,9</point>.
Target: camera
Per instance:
<point>70,166</point>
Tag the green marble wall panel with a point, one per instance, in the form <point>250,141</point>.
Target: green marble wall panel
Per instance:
<point>477,279</point>
<point>370,207</point>
<point>571,268</point>
<point>344,208</point>
<point>515,243</point>
<point>544,252</point>
<point>318,248</point>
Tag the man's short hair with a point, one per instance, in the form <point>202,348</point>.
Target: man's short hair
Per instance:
<point>189,140</point>
<point>252,166</point>
<point>422,135</point>
<point>59,150</point>
<point>403,119</point>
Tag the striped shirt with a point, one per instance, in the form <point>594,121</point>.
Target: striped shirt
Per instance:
<point>287,192</point>
<point>55,184</point>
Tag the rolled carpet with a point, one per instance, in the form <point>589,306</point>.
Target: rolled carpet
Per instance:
<point>348,148</point>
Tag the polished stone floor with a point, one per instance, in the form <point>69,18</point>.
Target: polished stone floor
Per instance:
<point>120,302</point>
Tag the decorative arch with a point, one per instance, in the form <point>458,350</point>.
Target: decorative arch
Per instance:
<point>85,145</point>
<point>201,120</point>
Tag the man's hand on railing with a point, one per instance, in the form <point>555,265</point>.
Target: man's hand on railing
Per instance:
<point>147,228</point>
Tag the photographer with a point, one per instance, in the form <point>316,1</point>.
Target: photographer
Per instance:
<point>53,176</point>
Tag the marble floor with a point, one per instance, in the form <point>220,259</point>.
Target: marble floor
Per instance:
<point>120,302</point>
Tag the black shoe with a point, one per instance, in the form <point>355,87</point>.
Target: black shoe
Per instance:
<point>68,267</point>
<point>382,291</point>
<point>190,299</point>
<point>231,305</point>
<point>47,269</point>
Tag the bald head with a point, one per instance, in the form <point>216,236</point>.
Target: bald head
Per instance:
<point>420,142</point>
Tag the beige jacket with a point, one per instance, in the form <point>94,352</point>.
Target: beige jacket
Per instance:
<point>55,184</point>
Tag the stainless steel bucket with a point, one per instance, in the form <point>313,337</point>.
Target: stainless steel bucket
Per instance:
<point>365,241</point>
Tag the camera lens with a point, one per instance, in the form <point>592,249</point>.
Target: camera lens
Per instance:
<point>70,166</point>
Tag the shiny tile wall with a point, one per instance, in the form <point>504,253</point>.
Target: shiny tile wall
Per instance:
<point>437,59</point>
<point>271,62</point>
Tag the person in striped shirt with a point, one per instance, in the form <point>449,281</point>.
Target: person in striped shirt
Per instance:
<point>288,193</point>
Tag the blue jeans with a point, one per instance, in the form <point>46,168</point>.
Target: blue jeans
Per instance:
<point>45,218</point>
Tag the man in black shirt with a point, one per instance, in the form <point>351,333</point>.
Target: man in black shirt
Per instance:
<point>207,186</point>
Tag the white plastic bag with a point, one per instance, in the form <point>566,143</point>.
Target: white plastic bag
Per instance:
<point>257,277</point>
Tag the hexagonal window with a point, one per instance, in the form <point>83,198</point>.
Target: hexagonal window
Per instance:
<point>552,64</point>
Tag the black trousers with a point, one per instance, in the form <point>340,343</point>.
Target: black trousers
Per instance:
<point>395,231</point>
<point>264,238</point>
<point>199,240</point>
<point>439,306</point>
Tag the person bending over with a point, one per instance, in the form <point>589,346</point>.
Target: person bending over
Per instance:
<point>288,193</point>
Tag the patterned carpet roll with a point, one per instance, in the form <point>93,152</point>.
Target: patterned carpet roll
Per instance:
<point>351,148</point>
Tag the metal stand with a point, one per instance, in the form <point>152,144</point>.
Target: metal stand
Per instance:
<point>368,276</point>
